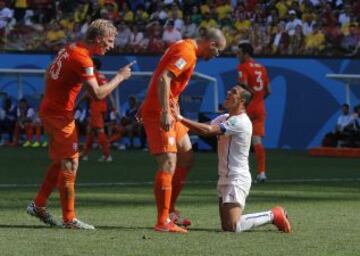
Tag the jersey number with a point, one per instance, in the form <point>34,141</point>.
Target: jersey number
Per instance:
<point>57,64</point>
<point>259,81</point>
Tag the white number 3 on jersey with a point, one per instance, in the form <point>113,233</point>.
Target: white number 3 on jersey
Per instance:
<point>260,82</point>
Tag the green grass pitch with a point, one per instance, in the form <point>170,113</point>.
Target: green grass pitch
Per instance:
<point>321,195</point>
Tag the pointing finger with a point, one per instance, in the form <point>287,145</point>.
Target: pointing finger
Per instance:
<point>130,64</point>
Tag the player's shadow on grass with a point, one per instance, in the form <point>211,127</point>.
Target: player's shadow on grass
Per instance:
<point>26,226</point>
<point>123,228</point>
<point>152,228</point>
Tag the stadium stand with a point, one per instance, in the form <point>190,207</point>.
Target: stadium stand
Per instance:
<point>280,27</point>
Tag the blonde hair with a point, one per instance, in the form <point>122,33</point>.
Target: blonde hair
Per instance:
<point>100,28</point>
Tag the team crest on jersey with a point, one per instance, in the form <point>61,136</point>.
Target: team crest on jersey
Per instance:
<point>233,121</point>
<point>89,71</point>
<point>240,74</point>
<point>180,63</point>
<point>171,141</point>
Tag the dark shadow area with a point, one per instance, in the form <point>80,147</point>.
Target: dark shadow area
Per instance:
<point>7,226</point>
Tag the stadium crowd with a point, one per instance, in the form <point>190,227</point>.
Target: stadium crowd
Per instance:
<point>274,27</point>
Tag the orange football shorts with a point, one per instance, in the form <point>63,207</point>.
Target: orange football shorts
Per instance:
<point>161,141</point>
<point>258,122</point>
<point>63,139</point>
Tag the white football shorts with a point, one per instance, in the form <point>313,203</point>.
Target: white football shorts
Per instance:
<point>234,192</point>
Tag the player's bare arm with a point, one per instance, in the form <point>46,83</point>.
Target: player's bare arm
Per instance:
<point>163,96</point>
<point>201,128</point>
<point>100,92</point>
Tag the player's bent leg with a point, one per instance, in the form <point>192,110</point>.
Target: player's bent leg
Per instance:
<point>37,208</point>
<point>42,214</point>
<point>229,215</point>
<point>253,220</point>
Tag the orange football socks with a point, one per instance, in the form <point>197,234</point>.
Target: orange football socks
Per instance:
<point>88,143</point>
<point>48,184</point>
<point>104,144</point>
<point>260,157</point>
<point>162,191</point>
<point>178,183</point>
<point>66,184</point>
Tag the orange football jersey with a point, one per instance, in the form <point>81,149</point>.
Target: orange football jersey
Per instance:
<point>255,76</point>
<point>71,67</point>
<point>180,59</point>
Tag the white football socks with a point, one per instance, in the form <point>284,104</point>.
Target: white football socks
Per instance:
<point>253,220</point>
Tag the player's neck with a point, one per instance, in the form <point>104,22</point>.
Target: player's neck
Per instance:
<point>236,111</point>
<point>90,47</point>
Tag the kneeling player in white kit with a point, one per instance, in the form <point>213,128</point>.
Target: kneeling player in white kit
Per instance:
<point>234,132</point>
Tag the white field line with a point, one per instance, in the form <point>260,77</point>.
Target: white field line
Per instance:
<point>124,184</point>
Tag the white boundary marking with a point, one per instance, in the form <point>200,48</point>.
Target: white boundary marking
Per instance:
<point>124,184</point>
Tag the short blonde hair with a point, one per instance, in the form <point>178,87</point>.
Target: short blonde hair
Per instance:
<point>100,28</point>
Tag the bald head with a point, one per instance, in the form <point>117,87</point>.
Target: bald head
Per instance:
<point>211,44</point>
<point>216,35</point>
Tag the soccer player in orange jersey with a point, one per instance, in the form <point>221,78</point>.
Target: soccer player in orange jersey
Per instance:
<point>254,76</point>
<point>72,68</point>
<point>168,140</point>
<point>98,110</point>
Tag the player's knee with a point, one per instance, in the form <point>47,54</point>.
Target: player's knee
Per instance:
<point>70,165</point>
<point>167,162</point>
<point>186,160</point>
<point>229,226</point>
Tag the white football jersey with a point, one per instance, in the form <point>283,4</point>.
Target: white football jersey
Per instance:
<point>233,148</point>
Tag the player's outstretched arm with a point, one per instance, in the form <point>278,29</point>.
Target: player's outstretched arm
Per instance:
<point>201,128</point>
<point>100,92</point>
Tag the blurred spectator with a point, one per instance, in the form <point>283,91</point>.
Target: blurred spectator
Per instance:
<point>136,36</point>
<point>131,126</point>
<point>196,16</point>
<point>315,41</point>
<point>242,22</point>
<point>292,23</point>
<point>296,43</point>
<point>5,17</point>
<point>223,9</point>
<point>141,16</point>
<point>282,8</point>
<point>81,12</point>
<point>308,24</point>
<point>123,37</point>
<point>189,30</point>
<point>156,44</point>
<point>170,34</point>
<point>280,40</point>
<point>350,41</point>
<point>20,7</point>
<point>8,114</point>
<point>345,14</point>
<point>126,13</point>
<point>55,37</point>
<point>24,120</point>
<point>208,21</point>
<point>344,119</point>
